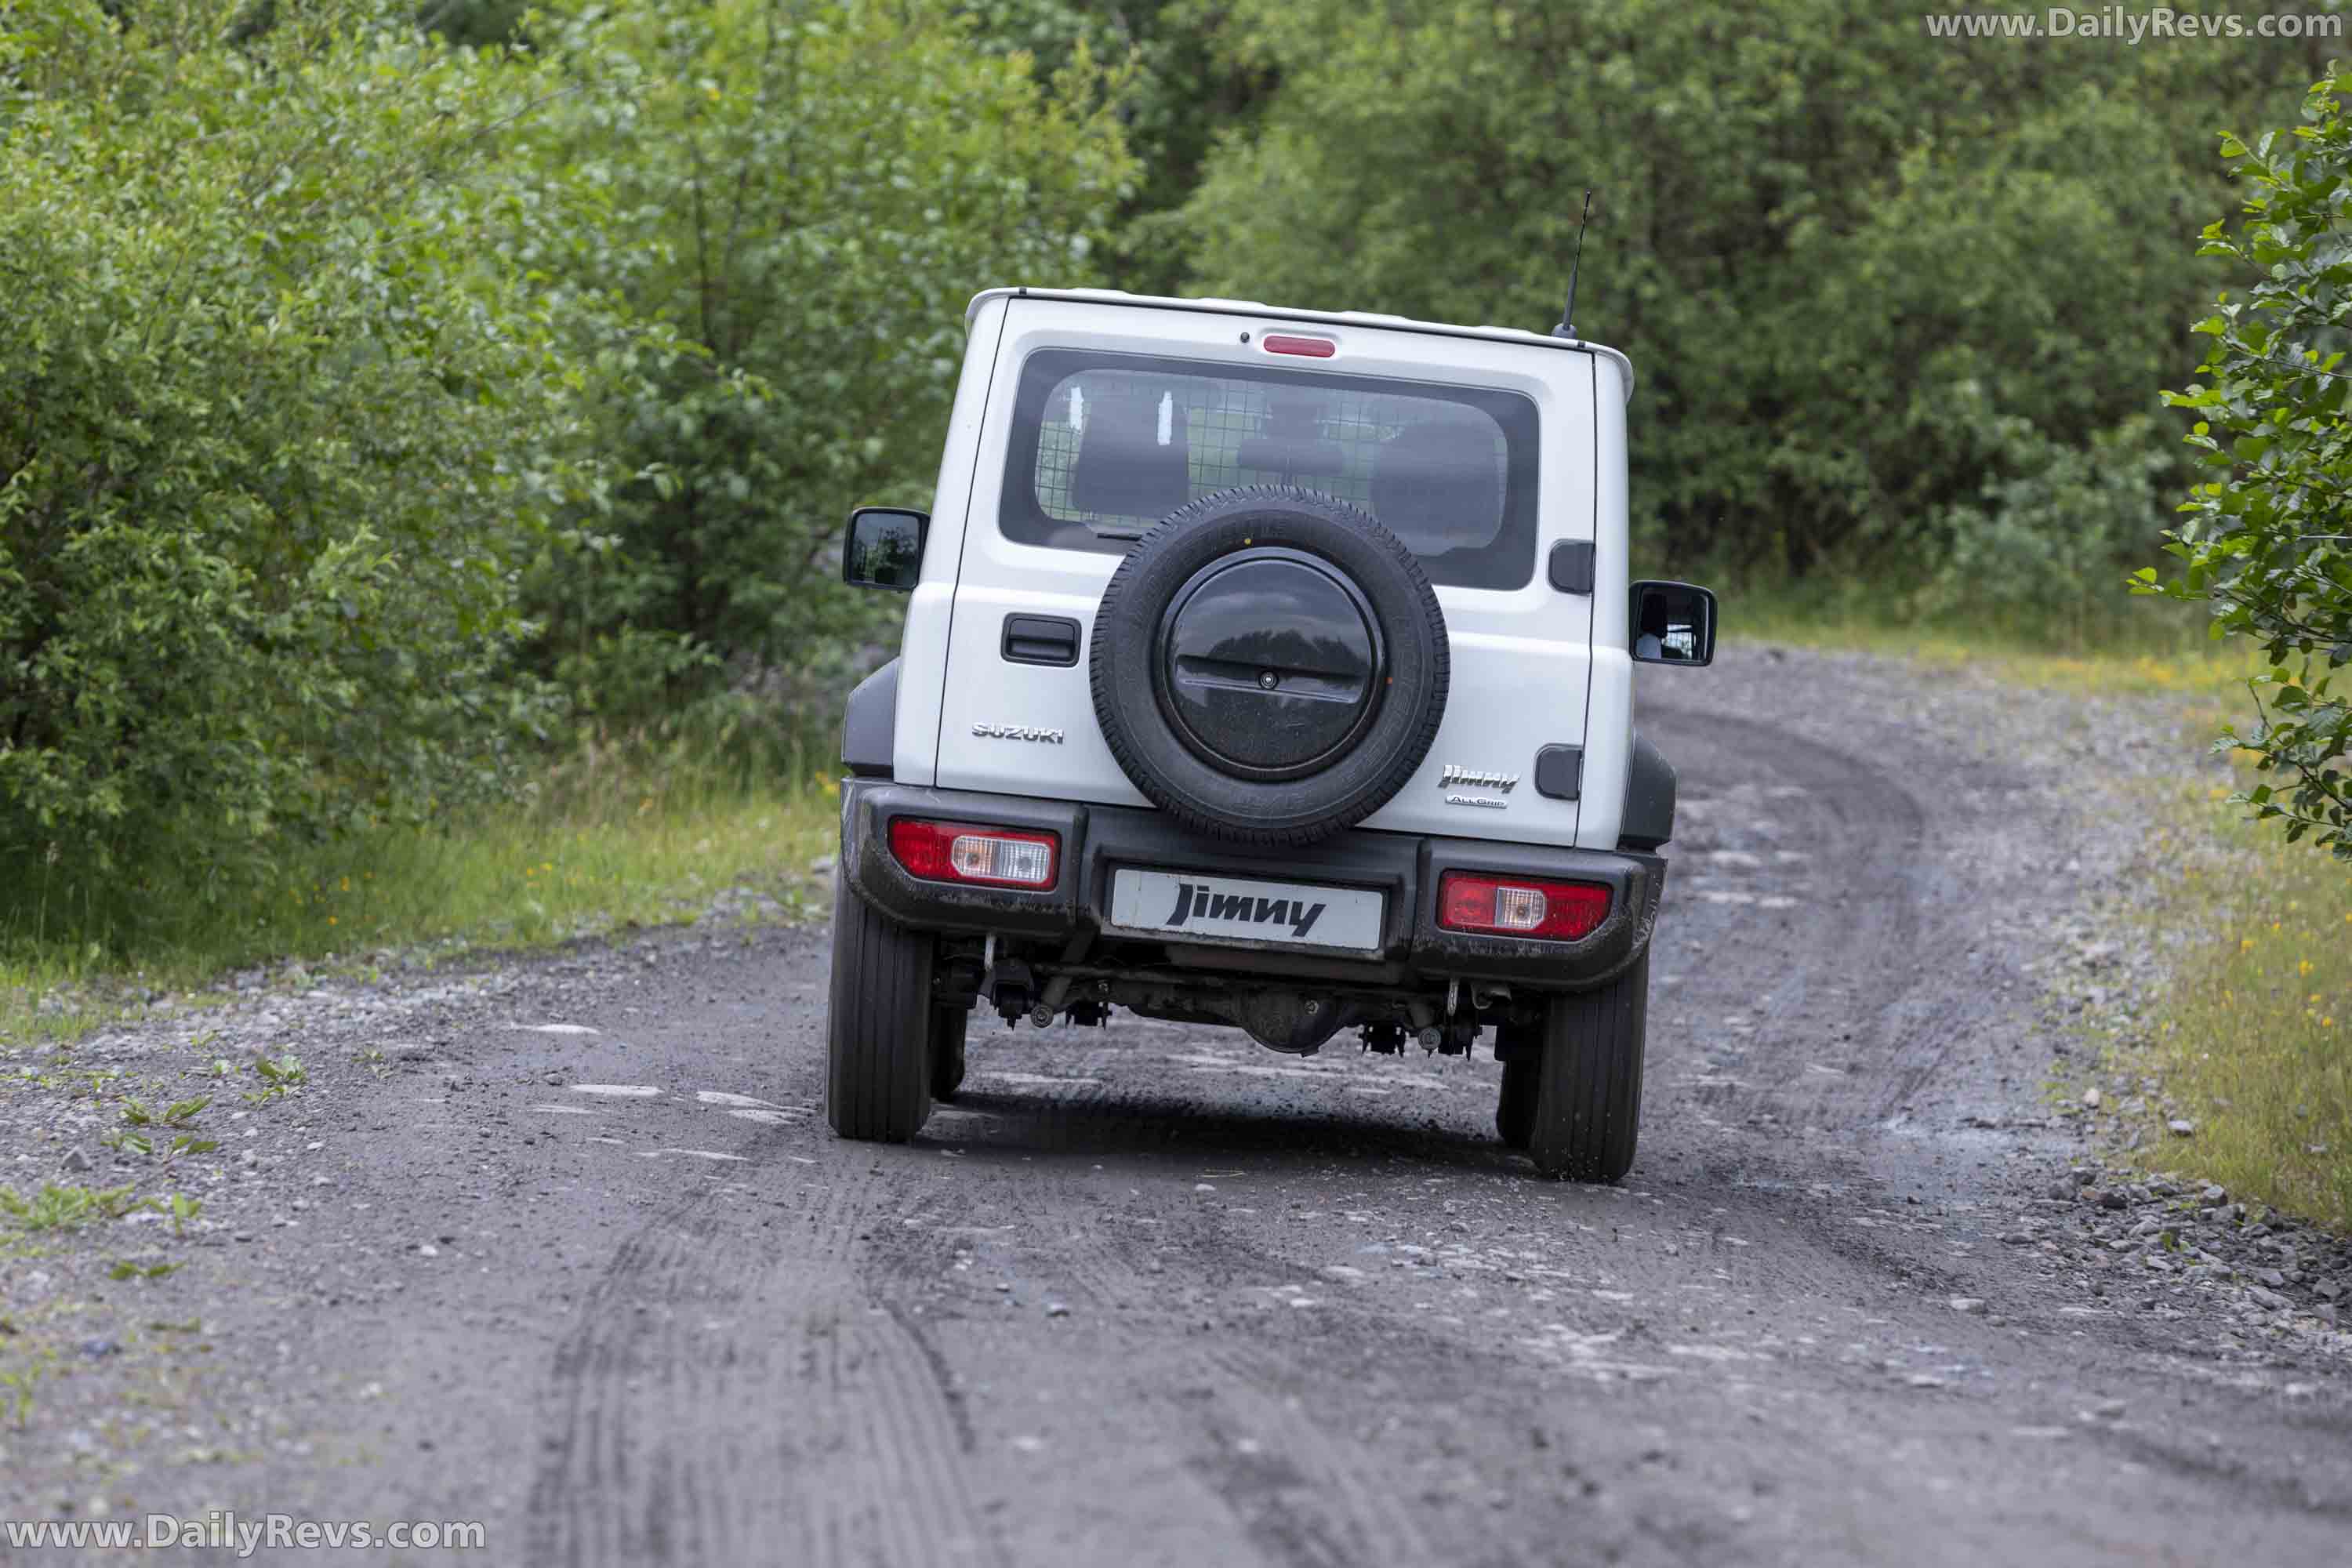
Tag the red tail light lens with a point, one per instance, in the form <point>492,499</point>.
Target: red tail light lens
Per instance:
<point>1312,348</point>
<point>1557,911</point>
<point>974,852</point>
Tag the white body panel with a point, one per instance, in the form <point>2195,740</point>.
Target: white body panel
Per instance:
<point>1525,673</point>
<point>923,652</point>
<point>1609,717</point>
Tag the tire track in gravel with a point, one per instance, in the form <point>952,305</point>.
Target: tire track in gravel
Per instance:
<point>1866,913</point>
<point>723,1390</point>
<point>1293,1487</point>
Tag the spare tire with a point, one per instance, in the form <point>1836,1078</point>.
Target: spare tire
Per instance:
<point>1269,665</point>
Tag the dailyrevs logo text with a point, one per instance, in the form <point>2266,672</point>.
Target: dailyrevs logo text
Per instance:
<point>1198,900</point>
<point>2128,26</point>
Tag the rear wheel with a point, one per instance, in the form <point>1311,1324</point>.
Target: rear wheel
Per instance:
<point>1588,1097</point>
<point>947,1051</point>
<point>881,1027</point>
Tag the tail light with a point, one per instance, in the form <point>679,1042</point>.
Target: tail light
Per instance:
<point>1514,906</point>
<point>972,852</point>
<point>1312,348</point>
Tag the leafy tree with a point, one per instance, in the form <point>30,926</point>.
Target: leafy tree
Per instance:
<point>2267,539</point>
<point>1873,281</point>
<point>810,195</point>
<point>1189,76</point>
<point>277,433</point>
<point>478,23</point>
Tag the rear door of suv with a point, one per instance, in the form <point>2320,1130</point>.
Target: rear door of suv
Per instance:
<point>1102,417</point>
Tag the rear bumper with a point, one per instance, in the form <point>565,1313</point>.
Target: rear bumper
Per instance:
<point>1098,840</point>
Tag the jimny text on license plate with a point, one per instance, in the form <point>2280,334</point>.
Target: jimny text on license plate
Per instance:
<point>1233,906</point>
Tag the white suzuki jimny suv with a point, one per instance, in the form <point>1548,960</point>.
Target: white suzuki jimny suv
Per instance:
<point>1270,669</point>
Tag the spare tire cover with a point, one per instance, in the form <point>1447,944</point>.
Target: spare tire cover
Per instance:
<point>1269,665</point>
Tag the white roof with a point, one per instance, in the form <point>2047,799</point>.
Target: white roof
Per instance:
<point>1286,313</point>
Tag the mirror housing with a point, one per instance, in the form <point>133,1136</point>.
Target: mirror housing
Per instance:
<point>1672,623</point>
<point>883,547</point>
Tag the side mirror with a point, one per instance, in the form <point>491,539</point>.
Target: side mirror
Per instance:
<point>883,547</point>
<point>1672,623</point>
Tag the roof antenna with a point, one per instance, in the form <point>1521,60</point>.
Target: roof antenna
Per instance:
<point>1567,328</point>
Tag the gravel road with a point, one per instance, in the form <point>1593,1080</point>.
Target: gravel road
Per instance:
<point>575,1257</point>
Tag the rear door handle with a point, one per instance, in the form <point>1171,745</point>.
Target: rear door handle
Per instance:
<point>1040,639</point>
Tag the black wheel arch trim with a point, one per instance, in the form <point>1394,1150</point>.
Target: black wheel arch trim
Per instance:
<point>1649,819</point>
<point>869,724</point>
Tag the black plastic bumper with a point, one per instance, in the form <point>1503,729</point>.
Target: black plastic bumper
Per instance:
<point>1097,840</point>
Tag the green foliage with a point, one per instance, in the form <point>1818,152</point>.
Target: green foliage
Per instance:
<point>357,383</point>
<point>54,1207</point>
<point>1188,77</point>
<point>2267,537</point>
<point>1873,282</point>
<point>280,1077</point>
<point>809,195</point>
<point>182,1209</point>
<point>2035,551</point>
<point>277,433</point>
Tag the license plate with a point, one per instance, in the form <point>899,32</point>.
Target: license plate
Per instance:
<point>1238,907</point>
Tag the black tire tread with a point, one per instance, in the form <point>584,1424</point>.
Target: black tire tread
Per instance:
<point>1588,1101</point>
<point>879,1025</point>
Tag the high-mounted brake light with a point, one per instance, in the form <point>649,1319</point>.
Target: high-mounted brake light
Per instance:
<point>972,852</point>
<point>1312,348</point>
<point>1560,911</point>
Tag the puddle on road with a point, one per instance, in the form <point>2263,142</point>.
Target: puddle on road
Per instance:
<point>550,1029</point>
<point>564,1109</point>
<point>1038,1080</point>
<point>618,1091</point>
<point>745,1102</point>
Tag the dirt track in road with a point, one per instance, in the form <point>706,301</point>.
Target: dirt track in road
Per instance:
<point>1154,1295</point>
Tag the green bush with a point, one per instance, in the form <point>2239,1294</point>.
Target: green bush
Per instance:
<point>2034,553</point>
<point>279,429</point>
<point>809,196</point>
<point>2265,540</point>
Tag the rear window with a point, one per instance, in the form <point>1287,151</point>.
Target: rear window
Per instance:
<point>1104,446</point>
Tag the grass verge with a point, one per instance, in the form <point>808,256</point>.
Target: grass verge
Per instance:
<point>2140,650</point>
<point>609,839</point>
<point>2252,1036</point>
